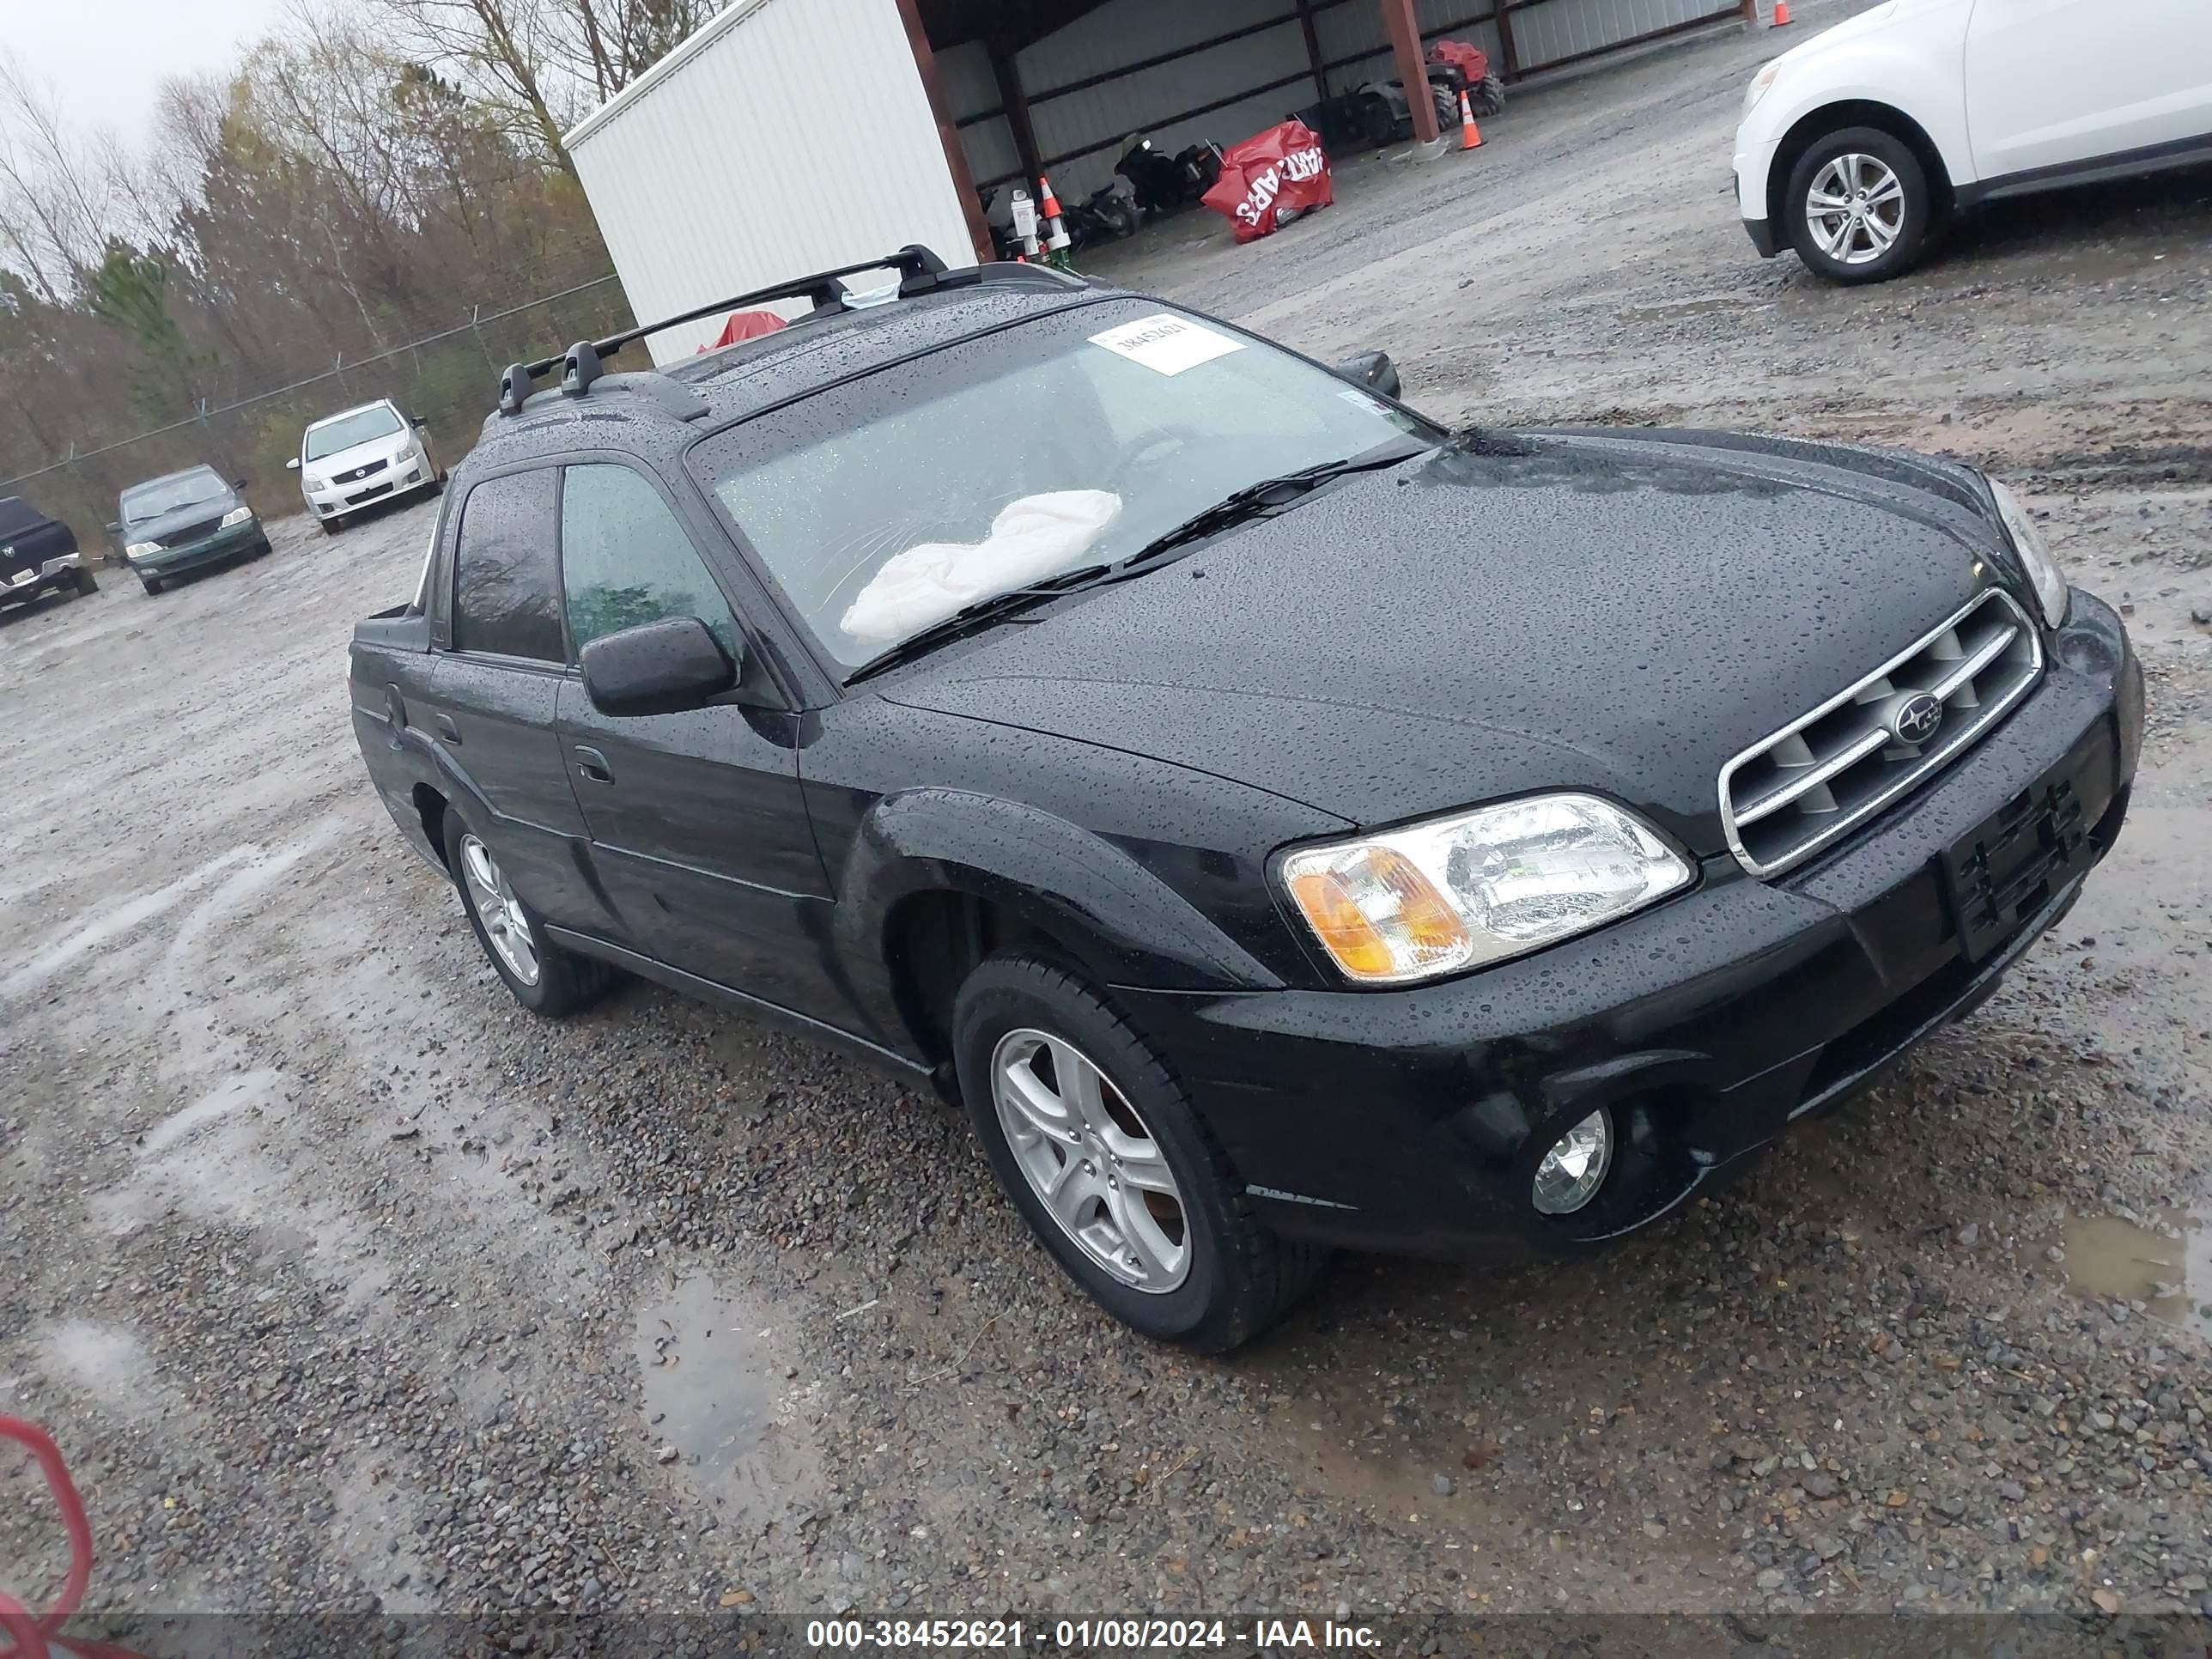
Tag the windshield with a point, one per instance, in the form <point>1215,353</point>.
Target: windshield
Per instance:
<point>348,430</point>
<point>151,501</point>
<point>888,504</point>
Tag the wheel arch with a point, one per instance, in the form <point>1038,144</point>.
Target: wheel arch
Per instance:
<point>1816,125</point>
<point>939,878</point>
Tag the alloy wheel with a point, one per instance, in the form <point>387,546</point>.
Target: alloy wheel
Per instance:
<point>1091,1160</point>
<point>499,910</point>
<point>1855,209</point>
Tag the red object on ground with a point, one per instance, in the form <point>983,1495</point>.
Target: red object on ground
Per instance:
<point>27,1638</point>
<point>1470,63</point>
<point>1282,170</point>
<point>745,326</point>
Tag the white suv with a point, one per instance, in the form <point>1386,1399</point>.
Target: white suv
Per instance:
<point>1857,147</point>
<point>359,458</point>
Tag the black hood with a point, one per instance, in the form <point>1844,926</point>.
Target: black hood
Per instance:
<point>1621,613</point>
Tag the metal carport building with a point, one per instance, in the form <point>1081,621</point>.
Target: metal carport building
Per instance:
<point>1055,87</point>
<point>806,135</point>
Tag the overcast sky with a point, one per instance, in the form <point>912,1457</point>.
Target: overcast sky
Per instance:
<point>107,57</point>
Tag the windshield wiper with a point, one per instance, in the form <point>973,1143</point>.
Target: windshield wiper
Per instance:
<point>1256,500</point>
<point>997,608</point>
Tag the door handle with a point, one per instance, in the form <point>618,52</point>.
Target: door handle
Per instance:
<point>593,765</point>
<point>448,732</point>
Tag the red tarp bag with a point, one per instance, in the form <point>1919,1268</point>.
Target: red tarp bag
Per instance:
<point>745,326</point>
<point>1282,170</point>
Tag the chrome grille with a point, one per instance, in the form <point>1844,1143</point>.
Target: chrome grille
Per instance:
<point>1791,794</point>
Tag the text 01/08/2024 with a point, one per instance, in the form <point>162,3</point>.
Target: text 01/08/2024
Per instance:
<point>1084,1635</point>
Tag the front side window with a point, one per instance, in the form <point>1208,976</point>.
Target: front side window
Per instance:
<point>505,601</point>
<point>883,504</point>
<point>359,427</point>
<point>625,559</point>
<point>142,502</point>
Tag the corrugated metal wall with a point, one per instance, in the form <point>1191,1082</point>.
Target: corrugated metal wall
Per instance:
<point>1130,30</point>
<point>1356,28</point>
<point>787,135</point>
<point>1559,29</point>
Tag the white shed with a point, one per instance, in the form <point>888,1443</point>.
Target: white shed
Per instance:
<point>785,136</point>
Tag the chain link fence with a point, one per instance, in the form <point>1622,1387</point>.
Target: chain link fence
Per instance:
<point>449,378</point>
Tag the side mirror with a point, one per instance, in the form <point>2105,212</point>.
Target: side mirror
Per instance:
<point>420,424</point>
<point>1373,370</point>
<point>662,667</point>
<point>293,465</point>
<point>238,484</point>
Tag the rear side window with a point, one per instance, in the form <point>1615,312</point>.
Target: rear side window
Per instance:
<point>505,587</point>
<point>625,559</point>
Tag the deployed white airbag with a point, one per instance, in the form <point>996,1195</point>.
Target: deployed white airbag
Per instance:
<point>1033,537</point>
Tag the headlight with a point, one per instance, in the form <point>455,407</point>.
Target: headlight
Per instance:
<point>140,549</point>
<point>1761,83</point>
<point>312,483</point>
<point>1478,887</point>
<point>236,515</point>
<point>2028,541</point>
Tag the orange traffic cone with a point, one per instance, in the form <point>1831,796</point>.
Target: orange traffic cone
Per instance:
<point>1781,13</point>
<point>1470,135</point>
<point>1057,239</point>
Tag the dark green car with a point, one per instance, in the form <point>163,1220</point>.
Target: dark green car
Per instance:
<point>184,521</point>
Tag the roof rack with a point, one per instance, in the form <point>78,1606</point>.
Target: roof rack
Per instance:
<point>920,272</point>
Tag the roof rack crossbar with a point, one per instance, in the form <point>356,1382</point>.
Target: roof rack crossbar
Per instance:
<point>917,266</point>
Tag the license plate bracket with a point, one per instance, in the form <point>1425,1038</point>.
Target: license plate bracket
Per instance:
<point>2009,866</point>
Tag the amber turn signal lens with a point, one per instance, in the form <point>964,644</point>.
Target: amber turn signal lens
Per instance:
<point>1377,915</point>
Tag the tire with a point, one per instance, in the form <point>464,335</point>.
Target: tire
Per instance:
<point>1236,1277</point>
<point>152,584</point>
<point>1886,173</point>
<point>328,526</point>
<point>1486,97</point>
<point>87,583</point>
<point>564,982</point>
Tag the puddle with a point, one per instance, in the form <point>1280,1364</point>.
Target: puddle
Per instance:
<point>714,1395</point>
<point>2111,1259</point>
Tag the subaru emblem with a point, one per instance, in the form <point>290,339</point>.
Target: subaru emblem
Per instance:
<point>1915,720</point>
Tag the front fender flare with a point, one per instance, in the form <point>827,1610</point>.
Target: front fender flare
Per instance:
<point>1123,922</point>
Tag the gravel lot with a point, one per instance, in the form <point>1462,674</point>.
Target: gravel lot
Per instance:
<point>346,1284</point>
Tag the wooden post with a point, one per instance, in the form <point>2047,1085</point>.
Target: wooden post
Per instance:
<point>956,159</point>
<point>1508,51</point>
<point>1751,12</point>
<point>1016,102</point>
<point>1404,33</point>
<point>1313,48</point>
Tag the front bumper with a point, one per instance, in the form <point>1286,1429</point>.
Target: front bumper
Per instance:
<point>1412,1120</point>
<point>403,478</point>
<point>208,550</point>
<point>52,574</point>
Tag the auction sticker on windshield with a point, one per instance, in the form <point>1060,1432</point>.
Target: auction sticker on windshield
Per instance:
<point>1167,344</point>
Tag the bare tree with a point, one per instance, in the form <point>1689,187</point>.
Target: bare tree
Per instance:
<point>547,62</point>
<point>55,204</point>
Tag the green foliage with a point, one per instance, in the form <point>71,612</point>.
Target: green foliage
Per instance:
<point>130,292</point>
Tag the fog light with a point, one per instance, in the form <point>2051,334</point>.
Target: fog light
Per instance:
<point>1574,1168</point>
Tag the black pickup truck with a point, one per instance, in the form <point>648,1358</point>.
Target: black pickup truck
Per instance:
<point>1281,822</point>
<point>38,555</point>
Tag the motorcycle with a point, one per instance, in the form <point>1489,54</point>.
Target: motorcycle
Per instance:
<point>1110,213</point>
<point>1164,183</point>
